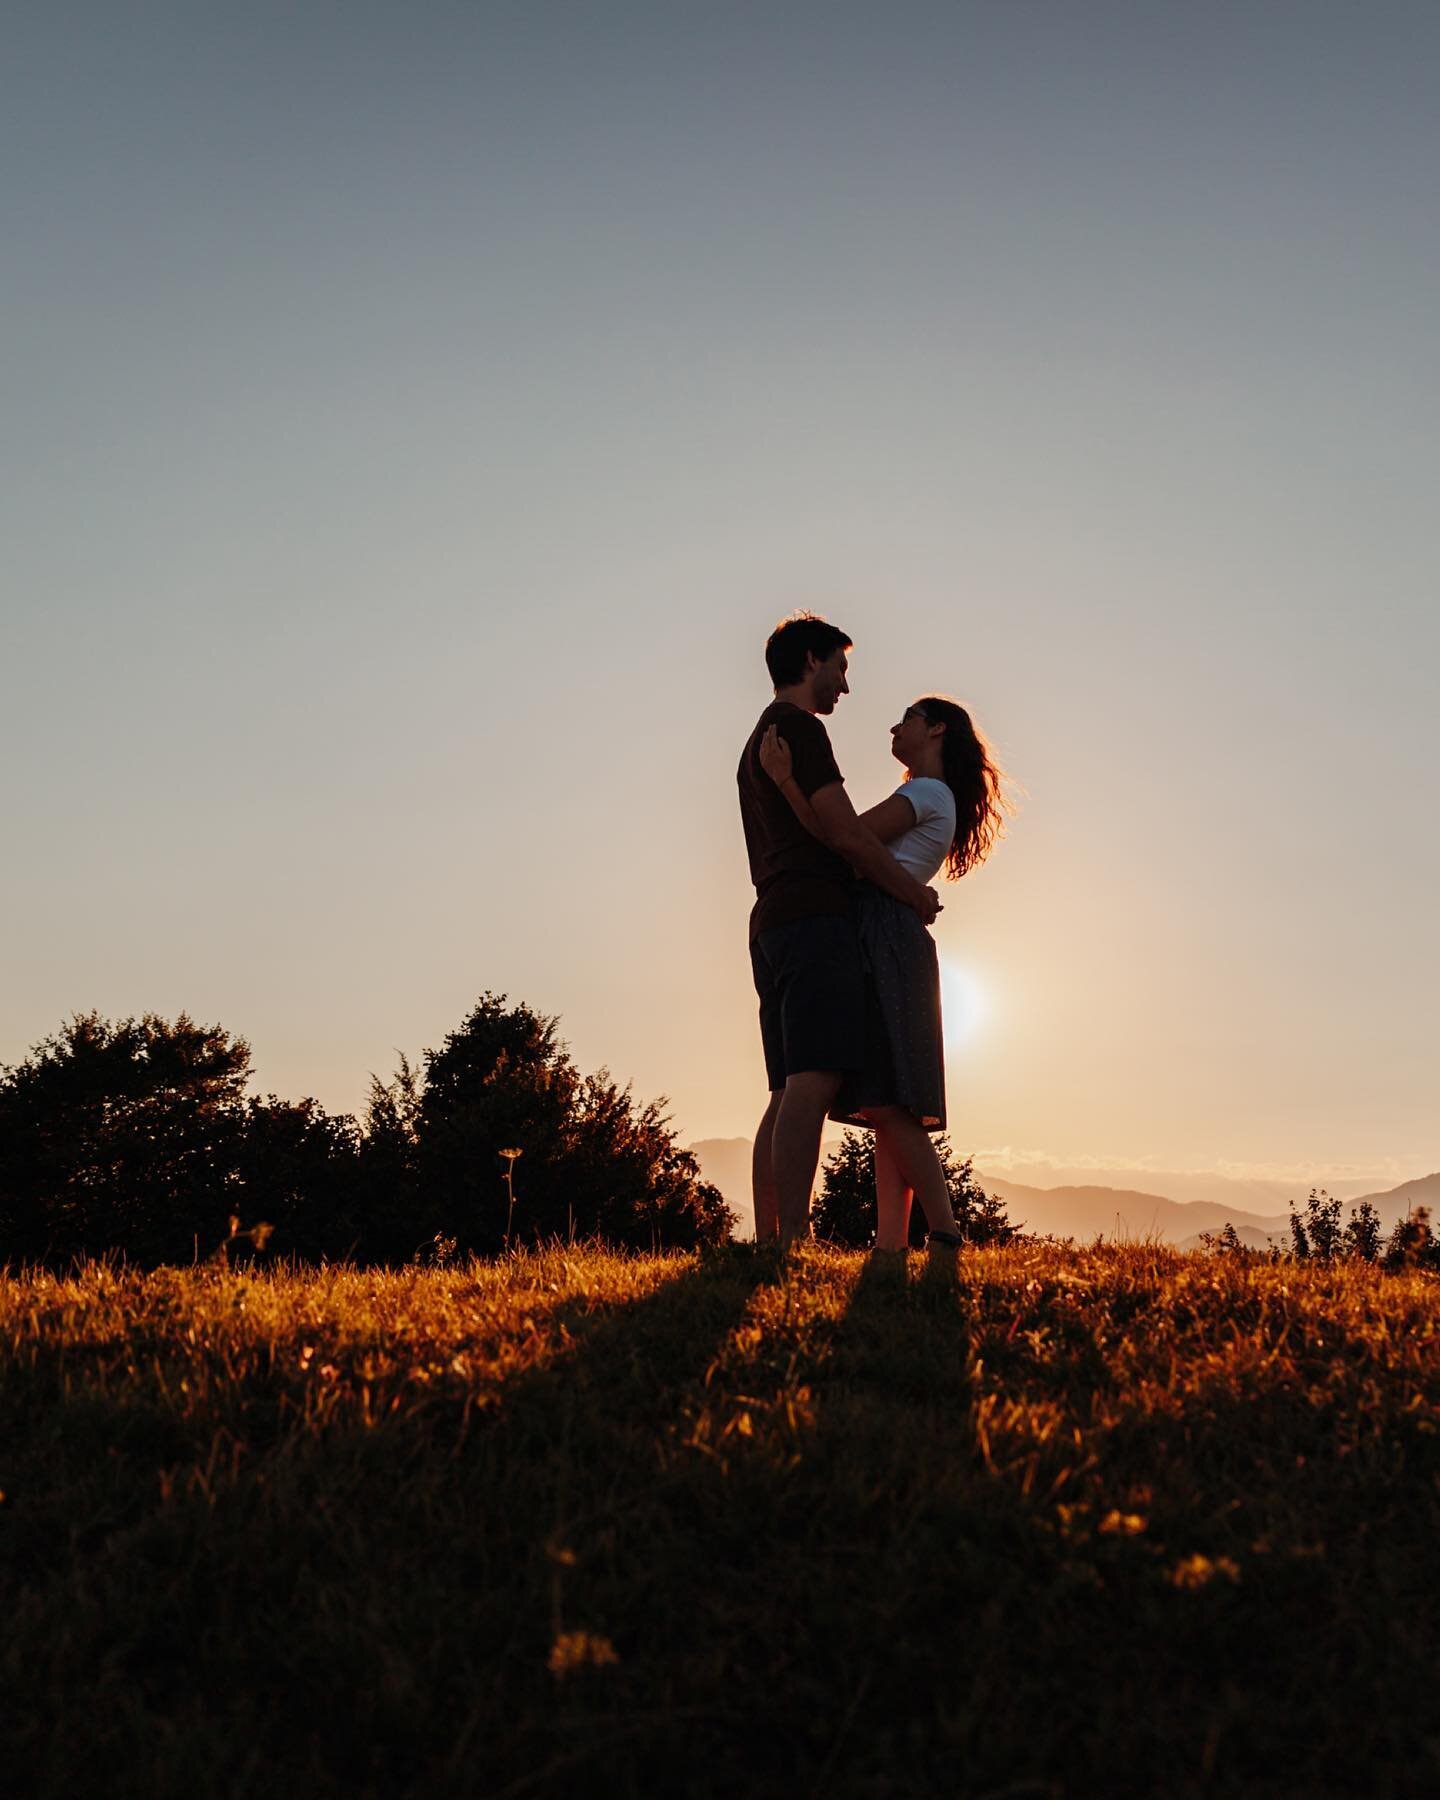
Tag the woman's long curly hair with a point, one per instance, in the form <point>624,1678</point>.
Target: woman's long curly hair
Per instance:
<point>974,778</point>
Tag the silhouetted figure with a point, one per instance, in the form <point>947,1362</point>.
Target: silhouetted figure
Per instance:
<point>804,947</point>
<point>947,812</point>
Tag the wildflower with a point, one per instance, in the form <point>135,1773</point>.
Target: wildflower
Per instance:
<point>574,1650</point>
<point>510,1156</point>
<point>1118,1524</point>
<point>1199,1571</point>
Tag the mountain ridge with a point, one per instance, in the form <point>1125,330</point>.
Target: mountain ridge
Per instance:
<point>1089,1210</point>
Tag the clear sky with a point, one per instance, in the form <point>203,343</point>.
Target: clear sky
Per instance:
<point>418,415</point>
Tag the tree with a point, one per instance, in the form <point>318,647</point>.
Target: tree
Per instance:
<point>1413,1243</point>
<point>388,1169</point>
<point>1363,1233</point>
<point>121,1135</point>
<point>594,1159</point>
<point>623,1170</point>
<point>135,1135</point>
<point>296,1167</point>
<point>845,1210</point>
<point>502,1079</point>
<point>1318,1234</point>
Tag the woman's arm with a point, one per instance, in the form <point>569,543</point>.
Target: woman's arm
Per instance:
<point>776,761</point>
<point>859,845</point>
<point>890,818</point>
<point>885,821</point>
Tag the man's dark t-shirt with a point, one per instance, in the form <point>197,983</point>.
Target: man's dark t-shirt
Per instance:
<point>795,875</point>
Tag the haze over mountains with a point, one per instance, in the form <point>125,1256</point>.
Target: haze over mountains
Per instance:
<point>1175,1208</point>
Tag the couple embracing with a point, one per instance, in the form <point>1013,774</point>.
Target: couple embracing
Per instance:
<point>844,964</point>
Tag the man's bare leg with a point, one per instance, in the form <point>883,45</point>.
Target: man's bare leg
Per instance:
<point>910,1147</point>
<point>795,1146</point>
<point>893,1195</point>
<point>762,1174</point>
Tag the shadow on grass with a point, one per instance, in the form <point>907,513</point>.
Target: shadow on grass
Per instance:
<point>595,1511</point>
<point>403,1602</point>
<point>625,1363</point>
<point>755,1532</point>
<point>842,1566</point>
<point>756,1584</point>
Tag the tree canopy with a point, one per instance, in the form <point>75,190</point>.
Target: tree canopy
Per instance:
<point>137,1135</point>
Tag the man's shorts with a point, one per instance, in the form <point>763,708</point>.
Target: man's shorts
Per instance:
<point>811,984</point>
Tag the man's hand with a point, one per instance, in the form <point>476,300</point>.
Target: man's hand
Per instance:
<point>775,757</point>
<point>928,906</point>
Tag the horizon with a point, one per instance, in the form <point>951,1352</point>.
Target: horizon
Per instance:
<point>1030,1169</point>
<point>419,423</point>
<point>1034,1169</point>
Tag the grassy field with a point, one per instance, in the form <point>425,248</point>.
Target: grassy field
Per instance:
<point>1049,1522</point>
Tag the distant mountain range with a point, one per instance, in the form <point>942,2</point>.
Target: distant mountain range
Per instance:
<point>1086,1211</point>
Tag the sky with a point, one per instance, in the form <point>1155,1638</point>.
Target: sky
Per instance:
<point>418,417</point>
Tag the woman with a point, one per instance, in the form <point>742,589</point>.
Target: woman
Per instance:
<point>948,811</point>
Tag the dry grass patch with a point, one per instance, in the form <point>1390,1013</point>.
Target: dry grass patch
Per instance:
<point>1117,1520</point>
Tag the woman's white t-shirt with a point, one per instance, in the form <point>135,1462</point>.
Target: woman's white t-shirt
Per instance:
<point>923,848</point>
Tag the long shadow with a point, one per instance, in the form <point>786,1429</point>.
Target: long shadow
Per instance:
<point>893,1443</point>
<point>418,1606</point>
<point>905,1335</point>
<point>754,1564</point>
<point>591,1512</point>
<point>631,1359</point>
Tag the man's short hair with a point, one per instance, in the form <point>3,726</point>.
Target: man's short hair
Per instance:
<point>802,634</point>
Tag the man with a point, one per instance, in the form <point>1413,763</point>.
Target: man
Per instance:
<point>803,949</point>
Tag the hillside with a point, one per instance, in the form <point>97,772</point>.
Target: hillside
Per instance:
<point>1398,1202</point>
<point>1113,1213</point>
<point>1087,1211</point>
<point>1049,1522</point>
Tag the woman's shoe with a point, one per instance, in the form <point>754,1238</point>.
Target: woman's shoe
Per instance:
<point>951,1240</point>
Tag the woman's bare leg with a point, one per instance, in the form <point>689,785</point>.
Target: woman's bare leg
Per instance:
<point>893,1195</point>
<point>901,1140</point>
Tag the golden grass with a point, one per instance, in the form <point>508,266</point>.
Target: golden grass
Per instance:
<point>1107,1520</point>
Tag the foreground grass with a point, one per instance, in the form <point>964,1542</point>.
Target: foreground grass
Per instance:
<point>1060,1522</point>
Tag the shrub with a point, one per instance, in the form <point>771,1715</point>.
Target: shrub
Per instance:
<point>1362,1233</point>
<point>1226,1242</point>
<point>594,1160</point>
<point>845,1209</point>
<point>1318,1234</point>
<point>1412,1243</point>
<point>134,1135</point>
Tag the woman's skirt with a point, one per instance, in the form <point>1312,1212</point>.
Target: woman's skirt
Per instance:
<point>904,1048</point>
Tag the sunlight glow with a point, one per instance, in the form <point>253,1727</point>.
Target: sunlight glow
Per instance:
<point>963,1003</point>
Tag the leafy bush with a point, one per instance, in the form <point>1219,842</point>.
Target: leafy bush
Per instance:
<point>845,1209</point>
<point>137,1136</point>
<point>1413,1243</point>
<point>593,1161</point>
<point>1362,1233</point>
<point>1318,1235</point>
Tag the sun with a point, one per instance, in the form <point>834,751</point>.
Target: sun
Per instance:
<point>963,1003</point>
